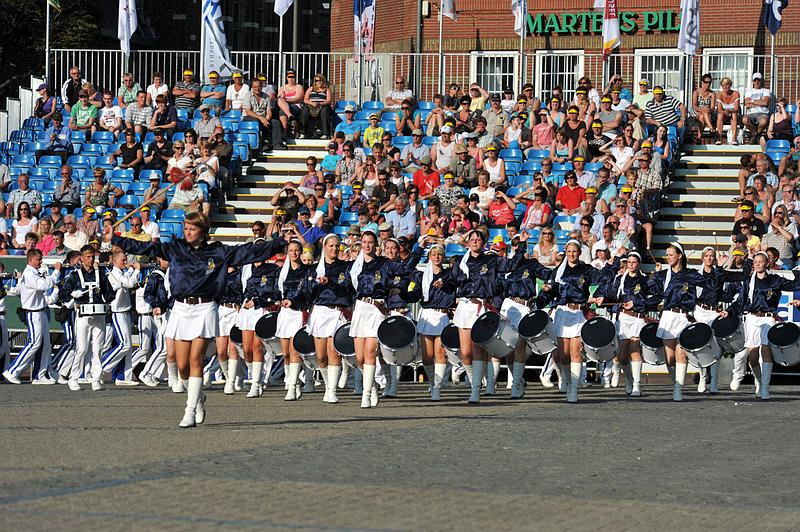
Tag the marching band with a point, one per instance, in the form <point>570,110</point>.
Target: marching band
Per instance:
<point>202,300</point>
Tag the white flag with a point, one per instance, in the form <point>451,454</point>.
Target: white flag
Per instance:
<point>282,6</point>
<point>126,24</point>
<point>449,9</point>
<point>689,36</point>
<point>519,8</point>
<point>215,45</point>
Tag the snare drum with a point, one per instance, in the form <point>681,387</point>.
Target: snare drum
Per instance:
<point>93,309</point>
<point>698,340</point>
<point>537,330</point>
<point>784,339</point>
<point>303,343</point>
<point>266,329</point>
<point>344,345</point>
<point>495,334</point>
<point>397,336</point>
<point>452,344</point>
<point>729,333</point>
<point>653,351</point>
<point>599,337</point>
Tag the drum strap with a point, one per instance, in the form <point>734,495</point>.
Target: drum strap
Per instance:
<point>86,285</point>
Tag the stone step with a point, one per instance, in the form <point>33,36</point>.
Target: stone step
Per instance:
<point>707,172</point>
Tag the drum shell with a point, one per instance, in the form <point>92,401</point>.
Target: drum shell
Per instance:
<point>732,343</point>
<point>342,341</point>
<point>405,354</point>
<point>453,352</point>
<point>541,341</point>
<point>600,353</point>
<point>705,355</point>
<point>303,346</point>
<point>93,309</point>
<point>271,342</point>
<point>785,355</point>
<point>503,338</point>
<point>654,352</point>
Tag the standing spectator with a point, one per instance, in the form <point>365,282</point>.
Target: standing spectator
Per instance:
<point>317,106</point>
<point>206,125</point>
<point>756,108</point>
<point>426,179</point>
<point>126,94</point>
<point>71,88</point>
<point>402,219</point>
<point>159,152</point>
<point>138,114</point>
<point>59,143</point>
<point>290,99</point>
<point>571,195</point>
<point>443,151</point>
<point>186,92</point>
<point>110,116</point>
<point>663,109</point>
<point>130,151</point>
<point>238,94</point>
<point>45,106</point>
<point>164,117</point>
<point>728,109</point>
<point>23,194</point>
<point>83,115</point>
<point>67,193</point>
<point>414,152</point>
<point>213,94</point>
<point>395,97</point>
<point>155,88</point>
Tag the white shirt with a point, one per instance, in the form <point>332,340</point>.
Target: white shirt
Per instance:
<point>33,287</point>
<point>152,229</point>
<point>121,282</point>
<point>75,241</point>
<point>239,99</point>
<point>109,115</point>
<point>586,179</point>
<point>154,91</point>
<point>757,94</point>
<point>404,94</point>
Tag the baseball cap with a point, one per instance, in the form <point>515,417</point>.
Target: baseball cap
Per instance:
<point>577,159</point>
<point>358,186</point>
<point>446,129</point>
<point>449,175</point>
<point>237,74</point>
<point>280,212</point>
<point>188,72</point>
<point>758,75</point>
<point>738,253</point>
<point>527,86</point>
<point>591,190</point>
<point>349,108</point>
<point>354,230</point>
<point>303,210</point>
<point>375,116</point>
<point>465,99</point>
<point>417,133</point>
<point>644,82</point>
<point>605,99</point>
<point>647,144</point>
<point>460,148</point>
<point>740,239</point>
<point>204,107</point>
<point>145,208</point>
<point>42,87</point>
<point>332,146</point>
<point>658,90</point>
<point>385,226</point>
<point>494,97</point>
<point>54,203</point>
<point>746,207</point>
<point>213,75</point>
<point>491,147</point>
<point>626,189</point>
<point>425,159</point>
<point>155,177</point>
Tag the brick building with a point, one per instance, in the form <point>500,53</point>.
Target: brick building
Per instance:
<point>563,42</point>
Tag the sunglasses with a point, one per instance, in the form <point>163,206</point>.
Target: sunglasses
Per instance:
<point>406,108</point>
<point>548,233</point>
<point>136,225</point>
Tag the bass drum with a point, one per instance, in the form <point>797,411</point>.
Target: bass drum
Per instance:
<point>344,345</point>
<point>397,337</point>
<point>653,351</point>
<point>784,338</point>
<point>698,340</point>
<point>599,337</point>
<point>495,334</point>
<point>451,344</point>
<point>303,343</point>
<point>729,333</point>
<point>266,328</point>
<point>537,330</point>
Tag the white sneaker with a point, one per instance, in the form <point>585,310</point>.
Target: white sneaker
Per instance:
<point>373,399</point>
<point>636,391</point>
<point>735,383</point>
<point>546,382</point>
<point>62,380</point>
<point>97,386</point>
<point>229,387</point>
<point>188,420</point>
<point>614,379</point>
<point>121,382</point>
<point>200,409</point>
<point>178,387</point>
<point>701,386</point>
<point>256,390</point>
<point>73,385</point>
<point>43,382</point>
<point>149,380</point>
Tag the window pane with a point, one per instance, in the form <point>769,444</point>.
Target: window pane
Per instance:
<point>662,70</point>
<point>558,69</point>
<point>734,65</point>
<point>495,72</point>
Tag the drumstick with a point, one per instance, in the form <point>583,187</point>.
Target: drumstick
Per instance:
<point>157,197</point>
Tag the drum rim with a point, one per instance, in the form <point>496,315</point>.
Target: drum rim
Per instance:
<point>604,321</point>
<point>528,317</point>
<point>397,318</point>
<point>485,316</point>
<point>783,325</point>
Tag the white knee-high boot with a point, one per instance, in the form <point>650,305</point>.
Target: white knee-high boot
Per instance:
<point>739,367</point>
<point>766,373</point>
<point>343,376</point>
<point>428,368</point>
<point>626,370</point>
<point>369,383</point>
<point>517,380</point>
<point>492,370</point>
<point>701,384</point>
<point>293,390</point>
<point>333,381</point>
<point>256,388</point>
<point>756,369</point>
<point>713,387</point>
<point>476,381</point>
<point>680,375</point>
<point>636,378</point>
<point>439,372</point>
<point>193,390</point>
<point>575,370</point>
<point>233,367</point>
<point>562,371</point>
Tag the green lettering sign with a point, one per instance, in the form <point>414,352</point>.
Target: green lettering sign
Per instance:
<point>591,22</point>
<point>551,26</point>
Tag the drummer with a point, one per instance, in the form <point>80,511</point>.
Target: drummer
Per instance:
<point>369,275</point>
<point>630,290</point>
<point>676,286</point>
<point>229,306</point>
<point>260,296</point>
<point>290,320</point>
<point>438,298</point>
<point>709,305</point>
<point>572,280</point>
<point>758,299</point>
<point>328,286</point>
<point>475,277</point>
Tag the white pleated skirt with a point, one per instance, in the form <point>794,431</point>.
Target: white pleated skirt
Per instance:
<point>248,317</point>
<point>289,322</point>
<point>323,321</point>
<point>567,322</point>
<point>513,311</point>
<point>466,314</point>
<point>671,324</point>
<point>704,315</point>
<point>366,319</point>
<point>188,322</point>
<point>629,326</point>
<point>431,322</point>
<point>756,329</point>
<point>227,319</point>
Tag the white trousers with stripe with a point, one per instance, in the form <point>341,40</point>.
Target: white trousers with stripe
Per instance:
<point>147,336</point>
<point>62,360</point>
<point>123,348</point>
<point>89,335</point>
<point>157,361</point>
<point>37,350</point>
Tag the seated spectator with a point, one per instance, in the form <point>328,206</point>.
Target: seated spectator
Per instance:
<point>149,226</point>
<point>728,109</point>
<point>364,223</point>
<point>403,220</point>
<point>496,117</point>
<point>789,162</point>
<point>186,92</point>
<point>762,197</point>
<point>373,215</point>
<point>414,152</point>
<point>507,102</point>
<point>404,121</point>
<point>612,120</point>
<point>414,200</point>
<point>290,99</point>
<point>317,108</point>
<point>662,147</point>
<point>154,89</point>
<point>606,189</point>
<point>24,224</point>
<point>746,216</point>
<point>328,164</point>
<point>391,151</point>
<point>206,125</point>
<point>212,95</point>
<point>71,87</point>
<point>763,168</point>
<point>45,106</point>
<point>575,129</point>
<point>478,97</point>
<point>84,115</point>
<point>620,240</point>
<point>448,193</point>
<point>555,112</point>
<point>397,178</point>
<point>571,195</point>
<point>434,222</point>
<point>58,249</point>
<point>543,135</point>
<point>586,107</point>
<point>494,166</point>
<point>224,152</point>
<point>623,155</point>
<point>179,159</point>
<point>54,215</point>
<point>289,199</point>
<point>589,209</point>
<point>308,232</point>
<point>164,116</point>
<point>664,109</point>
<point>501,210</point>
<point>58,142</point>
<point>630,140</point>
<point>443,152</point>
<point>471,140</point>
<point>780,237</point>
<point>348,166</point>
<point>395,97</point>
<point>476,209</point>
<point>206,166</point>
<point>23,193</point>
<point>464,117</point>
<point>311,177</point>
<point>385,192</point>
<point>787,200</point>
<point>780,125</point>
<point>74,238</point>
<point>537,211</point>
<point>95,96</point>
<point>136,232</point>
<point>131,153</point>
<point>31,239</point>
<point>435,119</point>
<point>757,101</point>
<point>453,97</point>
<point>45,241</point>
<point>426,179</point>
<point>381,161</point>
<point>597,143</point>
<point>517,135</point>
<point>546,249</point>
<point>586,179</point>
<point>646,149</point>
<point>189,200</point>
<point>483,191</point>
<point>101,193</point>
<point>367,175</point>
<point>350,126</point>
<point>126,94</point>
<point>465,169</point>
<point>704,103</point>
<point>459,225</point>
<point>138,114</point>
<point>159,152</point>
<point>110,116</point>
<point>374,132</point>
<point>561,147</point>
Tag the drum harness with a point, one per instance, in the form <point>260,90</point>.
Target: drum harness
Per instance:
<point>90,287</point>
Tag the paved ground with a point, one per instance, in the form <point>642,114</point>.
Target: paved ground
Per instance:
<point>114,458</point>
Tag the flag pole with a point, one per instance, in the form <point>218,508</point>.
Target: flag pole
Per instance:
<point>522,47</point>
<point>441,52</point>
<point>773,78</point>
<point>47,42</point>
<point>279,77</point>
<point>202,45</point>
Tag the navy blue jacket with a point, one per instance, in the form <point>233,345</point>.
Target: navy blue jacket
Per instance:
<point>102,294</point>
<point>155,292</point>
<point>714,294</point>
<point>636,289</point>
<point>234,291</point>
<point>681,292</point>
<point>766,294</point>
<point>483,272</point>
<point>381,275</point>
<point>293,287</point>
<point>262,286</point>
<point>444,297</point>
<point>576,280</point>
<point>337,292</point>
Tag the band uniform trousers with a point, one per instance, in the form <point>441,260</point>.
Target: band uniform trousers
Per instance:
<point>147,336</point>
<point>89,334</point>
<point>157,361</point>
<point>62,361</point>
<point>121,324</point>
<point>37,349</point>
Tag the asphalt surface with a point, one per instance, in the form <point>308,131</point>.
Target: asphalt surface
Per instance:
<point>86,460</point>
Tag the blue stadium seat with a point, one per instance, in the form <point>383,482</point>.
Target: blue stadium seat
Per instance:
<point>363,115</point>
<point>123,173</point>
<point>176,215</point>
<point>178,135</point>
<point>562,167</point>
<point>128,202</point>
<point>103,137</point>
<point>33,147</point>
<point>341,230</point>
<point>348,218</point>
<point>453,250</point>
<point>562,236</point>
<point>341,104</point>
<point>92,149</point>
<point>430,141</point>
<point>80,161</point>
<point>49,187</point>
<point>511,155</point>
<point>425,106</point>
<point>53,161</point>
<point>593,167</point>
<point>38,173</point>
<point>776,156</point>
<point>564,219</point>
<point>522,179</point>
<point>538,154</point>
<point>33,124</point>
<point>778,145</point>
<point>144,175</point>
<point>402,140</point>
<point>24,159</point>
<point>389,127</point>
<point>137,188</point>
<point>513,168</point>
<point>372,106</point>
<point>495,232</point>
<point>78,137</point>
<point>529,167</point>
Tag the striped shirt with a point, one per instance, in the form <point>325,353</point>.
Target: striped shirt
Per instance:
<point>665,113</point>
<point>186,102</point>
<point>138,116</point>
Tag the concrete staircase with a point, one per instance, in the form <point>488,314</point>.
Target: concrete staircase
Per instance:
<point>698,211</point>
<point>249,200</point>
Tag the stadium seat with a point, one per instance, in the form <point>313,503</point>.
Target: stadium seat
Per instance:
<point>128,202</point>
<point>123,173</point>
<point>176,215</point>
<point>538,154</point>
<point>562,236</point>
<point>33,124</point>
<point>348,218</point>
<point>520,180</point>
<point>341,104</point>
<point>776,156</point>
<point>512,191</point>
<point>103,137</point>
<point>48,161</point>
<point>362,115</point>
<point>529,167</point>
<point>495,232</point>
<point>778,145</point>
<point>80,161</point>
<point>402,141</point>
<point>593,167</point>
<point>513,168</point>
<point>49,187</point>
<point>389,127</point>
<point>78,137</point>
<point>454,250</point>
<point>425,106</point>
<point>38,173</point>
<point>232,114</point>
<point>564,221</point>
<point>562,167</point>
<point>372,106</point>
<point>511,155</point>
<point>430,141</point>
<point>92,149</point>
<point>33,147</point>
<point>137,188</point>
<point>24,159</point>
<point>341,230</point>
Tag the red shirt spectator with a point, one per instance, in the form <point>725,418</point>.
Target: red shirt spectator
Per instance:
<point>501,210</point>
<point>426,180</point>
<point>571,195</point>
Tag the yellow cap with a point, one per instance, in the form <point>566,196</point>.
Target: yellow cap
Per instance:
<point>738,253</point>
<point>746,208</point>
<point>591,190</point>
<point>188,72</point>
<point>626,189</point>
<point>658,91</point>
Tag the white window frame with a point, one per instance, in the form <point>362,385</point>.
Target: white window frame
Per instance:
<point>641,53</point>
<point>474,56</point>
<point>568,91</point>
<point>748,50</point>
